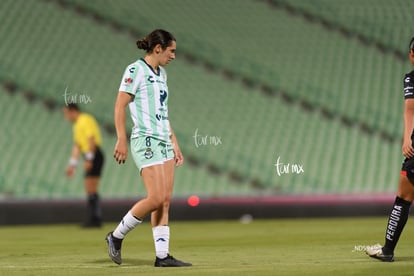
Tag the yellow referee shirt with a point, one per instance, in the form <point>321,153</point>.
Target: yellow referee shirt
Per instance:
<point>84,128</point>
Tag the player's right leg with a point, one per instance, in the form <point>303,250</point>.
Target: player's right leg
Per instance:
<point>153,179</point>
<point>396,221</point>
<point>148,160</point>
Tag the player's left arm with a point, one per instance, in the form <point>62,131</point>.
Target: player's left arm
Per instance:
<point>178,155</point>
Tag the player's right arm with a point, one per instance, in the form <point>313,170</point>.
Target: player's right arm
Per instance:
<point>73,161</point>
<point>407,148</point>
<point>121,148</point>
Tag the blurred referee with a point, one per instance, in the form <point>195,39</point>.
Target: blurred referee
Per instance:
<point>87,140</point>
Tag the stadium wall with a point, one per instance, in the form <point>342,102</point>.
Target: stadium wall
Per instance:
<point>72,211</point>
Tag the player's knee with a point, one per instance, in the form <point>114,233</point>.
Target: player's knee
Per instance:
<point>406,188</point>
<point>166,205</point>
<point>156,201</point>
<point>409,174</point>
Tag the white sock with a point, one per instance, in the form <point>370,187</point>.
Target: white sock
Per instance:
<point>127,224</point>
<point>161,236</point>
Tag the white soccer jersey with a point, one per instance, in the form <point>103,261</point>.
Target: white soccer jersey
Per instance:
<point>148,108</point>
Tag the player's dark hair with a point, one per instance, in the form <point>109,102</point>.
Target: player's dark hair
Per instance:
<point>156,37</point>
<point>72,106</point>
<point>412,44</point>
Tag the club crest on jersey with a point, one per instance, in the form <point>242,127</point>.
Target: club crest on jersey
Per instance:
<point>148,153</point>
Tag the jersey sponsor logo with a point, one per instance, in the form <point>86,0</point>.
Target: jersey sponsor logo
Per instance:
<point>161,117</point>
<point>407,79</point>
<point>393,222</point>
<point>163,96</point>
<point>150,79</point>
<point>408,91</point>
<point>161,240</point>
<point>131,70</point>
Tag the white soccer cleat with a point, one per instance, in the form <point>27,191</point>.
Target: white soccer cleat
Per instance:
<point>375,251</point>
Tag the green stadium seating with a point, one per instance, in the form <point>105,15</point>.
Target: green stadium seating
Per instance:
<point>313,65</point>
<point>384,21</point>
<point>82,47</point>
<point>36,145</point>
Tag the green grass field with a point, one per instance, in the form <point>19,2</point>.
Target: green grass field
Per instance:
<point>263,247</point>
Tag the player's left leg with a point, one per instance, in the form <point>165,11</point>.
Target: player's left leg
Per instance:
<point>92,177</point>
<point>399,214</point>
<point>396,221</point>
<point>159,221</point>
<point>94,205</point>
<point>159,217</point>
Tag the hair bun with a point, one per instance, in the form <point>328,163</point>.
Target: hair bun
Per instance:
<point>156,37</point>
<point>143,44</point>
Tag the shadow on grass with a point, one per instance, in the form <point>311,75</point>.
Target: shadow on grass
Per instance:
<point>404,259</point>
<point>125,262</point>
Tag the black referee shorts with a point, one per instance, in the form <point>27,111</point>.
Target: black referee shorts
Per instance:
<point>97,164</point>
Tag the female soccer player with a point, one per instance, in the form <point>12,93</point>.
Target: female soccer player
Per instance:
<point>154,146</point>
<point>87,140</point>
<point>405,194</point>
